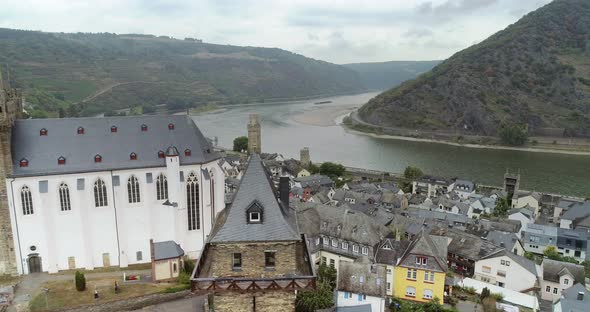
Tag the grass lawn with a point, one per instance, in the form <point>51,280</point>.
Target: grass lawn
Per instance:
<point>63,294</point>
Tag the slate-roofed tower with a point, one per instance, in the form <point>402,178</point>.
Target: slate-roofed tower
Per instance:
<point>254,135</point>
<point>255,259</point>
<point>11,107</point>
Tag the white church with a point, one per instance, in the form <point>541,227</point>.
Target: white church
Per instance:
<point>92,192</point>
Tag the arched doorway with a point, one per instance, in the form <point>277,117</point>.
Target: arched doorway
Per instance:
<point>34,262</point>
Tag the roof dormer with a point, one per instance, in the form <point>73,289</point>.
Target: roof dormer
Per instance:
<point>254,213</point>
<point>43,132</point>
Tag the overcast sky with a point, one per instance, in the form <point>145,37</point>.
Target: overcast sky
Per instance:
<point>342,31</point>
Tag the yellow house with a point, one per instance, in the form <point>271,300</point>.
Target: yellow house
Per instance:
<point>420,272</point>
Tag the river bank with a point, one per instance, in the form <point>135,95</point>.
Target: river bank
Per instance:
<point>352,124</point>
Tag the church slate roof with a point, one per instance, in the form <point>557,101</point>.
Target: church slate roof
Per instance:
<point>255,186</point>
<point>62,139</point>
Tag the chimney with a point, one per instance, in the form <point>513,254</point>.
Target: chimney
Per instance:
<point>581,296</point>
<point>284,190</point>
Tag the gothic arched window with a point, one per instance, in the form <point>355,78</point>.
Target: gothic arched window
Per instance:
<point>192,202</point>
<point>64,197</point>
<point>161,187</point>
<point>100,193</point>
<point>133,190</point>
<point>26,200</point>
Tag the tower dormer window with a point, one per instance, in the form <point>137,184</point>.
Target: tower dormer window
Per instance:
<point>161,154</point>
<point>133,156</point>
<point>254,213</point>
<point>61,160</point>
<point>97,158</point>
<point>187,152</point>
<point>80,130</point>
<point>113,129</point>
<point>43,131</point>
<point>24,162</point>
<point>170,126</point>
<point>144,128</point>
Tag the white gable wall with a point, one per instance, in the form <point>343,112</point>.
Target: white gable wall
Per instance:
<point>486,270</point>
<point>87,232</point>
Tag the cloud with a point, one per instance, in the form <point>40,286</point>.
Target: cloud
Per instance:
<point>418,33</point>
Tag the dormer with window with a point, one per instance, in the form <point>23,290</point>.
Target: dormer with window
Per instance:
<point>61,160</point>
<point>161,154</point>
<point>144,128</point>
<point>133,156</point>
<point>113,129</point>
<point>43,132</point>
<point>80,130</point>
<point>254,213</point>
<point>187,152</point>
<point>170,126</point>
<point>23,162</point>
<point>97,158</point>
<point>421,260</point>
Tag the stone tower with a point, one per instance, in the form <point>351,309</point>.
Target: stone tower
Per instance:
<point>11,108</point>
<point>254,141</point>
<point>511,183</point>
<point>304,157</point>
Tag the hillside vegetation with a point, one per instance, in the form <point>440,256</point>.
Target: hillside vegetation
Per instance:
<point>384,75</point>
<point>534,74</point>
<point>84,74</point>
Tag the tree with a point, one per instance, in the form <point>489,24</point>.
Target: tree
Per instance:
<point>240,144</point>
<point>313,168</point>
<point>513,134</point>
<point>502,207</point>
<point>551,253</point>
<point>485,292</point>
<point>410,175</point>
<point>322,297</point>
<point>80,280</point>
<point>332,170</point>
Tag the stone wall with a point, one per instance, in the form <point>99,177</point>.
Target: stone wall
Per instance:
<point>132,303</point>
<point>253,262</point>
<point>272,301</point>
<point>11,104</point>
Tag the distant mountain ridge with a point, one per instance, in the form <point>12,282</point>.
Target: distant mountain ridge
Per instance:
<point>105,72</point>
<point>385,75</point>
<point>535,72</point>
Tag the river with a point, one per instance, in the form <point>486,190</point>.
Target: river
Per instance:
<point>283,131</point>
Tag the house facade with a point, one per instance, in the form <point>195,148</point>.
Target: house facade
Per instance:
<point>502,268</point>
<point>420,273</point>
<point>558,276</point>
<point>92,192</point>
<point>361,283</point>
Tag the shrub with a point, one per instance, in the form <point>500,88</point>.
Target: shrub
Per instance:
<point>485,292</point>
<point>189,266</point>
<point>80,280</point>
<point>184,278</point>
<point>497,296</point>
<point>513,134</point>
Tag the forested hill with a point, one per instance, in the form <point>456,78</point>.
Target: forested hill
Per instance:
<point>105,72</point>
<point>384,75</point>
<point>535,73</point>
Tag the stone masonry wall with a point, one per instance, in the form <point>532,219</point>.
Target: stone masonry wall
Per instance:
<point>253,264</point>
<point>272,301</point>
<point>132,303</point>
<point>10,106</point>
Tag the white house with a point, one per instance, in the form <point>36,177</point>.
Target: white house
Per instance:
<point>523,215</point>
<point>558,276</point>
<point>500,269</point>
<point>523,199</point>
<point>92,192</point>
<point>464,188</point>
<point>361,283</point>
